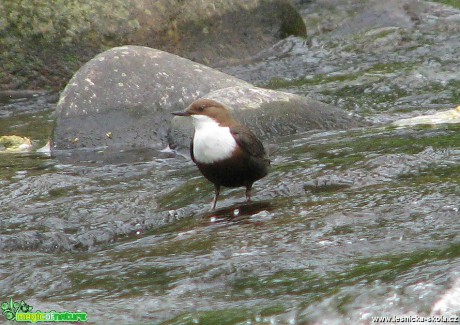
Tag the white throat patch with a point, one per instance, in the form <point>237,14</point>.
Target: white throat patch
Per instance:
<point>211,142</point>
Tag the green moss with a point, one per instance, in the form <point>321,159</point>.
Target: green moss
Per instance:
<point>227,316</point>
<point>387,268</point>
<point>200,245</point>
<point>61,34</point>
<point>277,83</point>
<point>378,68</point>
<point>411,144</point>
<point>391,67</point>
<point>453,3</point>
<point>344,160</point>
<point>358,144</point>
<point>180,196</point>
<point>313,286</point>
<point>435,174</point>
<point>72,61</point>
<point>454,87</point>
<point>139,279</point>
<point>281,283</point>
<point>293,23</point>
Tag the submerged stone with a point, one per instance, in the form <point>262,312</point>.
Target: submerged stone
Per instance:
<point>14,143</point>
<point>451,116</point>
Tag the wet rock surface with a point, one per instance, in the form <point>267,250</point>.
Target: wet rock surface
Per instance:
<point>349,225</point>
<point>123,97</point>
<point>270,114</point>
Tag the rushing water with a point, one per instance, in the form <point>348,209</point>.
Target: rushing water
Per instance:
<point>349,225</point>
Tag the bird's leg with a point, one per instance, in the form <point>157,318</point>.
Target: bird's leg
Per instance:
<point>248,192</point>
<point>216,195</point>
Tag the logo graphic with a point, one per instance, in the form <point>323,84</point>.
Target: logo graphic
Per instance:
<point>22,312</point>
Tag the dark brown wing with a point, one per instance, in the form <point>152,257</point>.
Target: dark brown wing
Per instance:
<point>191,149</point>
<point>248,141</point>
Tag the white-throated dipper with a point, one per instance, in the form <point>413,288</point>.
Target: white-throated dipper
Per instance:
<point>226,152</point>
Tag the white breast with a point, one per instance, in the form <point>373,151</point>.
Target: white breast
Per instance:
<point>211,142</point>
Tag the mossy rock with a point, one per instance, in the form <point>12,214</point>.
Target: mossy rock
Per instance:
<point>43,43</point>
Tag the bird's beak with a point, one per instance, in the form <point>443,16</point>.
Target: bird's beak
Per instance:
<point>183,113</point>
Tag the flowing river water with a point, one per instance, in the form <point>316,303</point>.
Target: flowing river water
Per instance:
<point>349,225</point>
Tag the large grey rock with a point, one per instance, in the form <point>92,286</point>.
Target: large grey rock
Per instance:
<point>122,98</point>
<point>270,114</point>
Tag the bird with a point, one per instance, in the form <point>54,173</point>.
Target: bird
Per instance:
<point>225,151</point>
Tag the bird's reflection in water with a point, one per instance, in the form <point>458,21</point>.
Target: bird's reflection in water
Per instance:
<point>241,212</point>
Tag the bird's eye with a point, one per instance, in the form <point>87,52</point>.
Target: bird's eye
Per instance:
<point>201,108</point>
